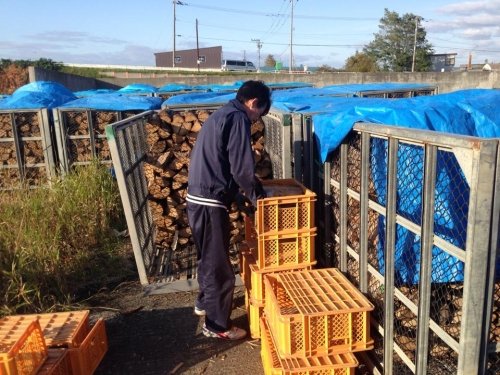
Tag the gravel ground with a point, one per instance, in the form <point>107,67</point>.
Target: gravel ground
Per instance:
<point>160,335</point>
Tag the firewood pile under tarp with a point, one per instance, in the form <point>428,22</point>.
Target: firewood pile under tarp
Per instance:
<point>26,148</point>
<point>171,135</point>
<point>81,135</point>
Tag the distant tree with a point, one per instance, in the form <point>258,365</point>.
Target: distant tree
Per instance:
<point>393,45</point>
<point>326,69</point>
<point>48,64</point>
<point>40,63</point>
<point>270,61</point>
<point>360,62</point>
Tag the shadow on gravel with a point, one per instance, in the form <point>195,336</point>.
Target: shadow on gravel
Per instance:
<point>161,341</point>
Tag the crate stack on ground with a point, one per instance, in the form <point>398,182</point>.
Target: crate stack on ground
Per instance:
<point>52,343</point>
<point>313,322</point>
<point>279,239</point>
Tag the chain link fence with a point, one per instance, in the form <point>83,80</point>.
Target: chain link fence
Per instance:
<point>414,226</point>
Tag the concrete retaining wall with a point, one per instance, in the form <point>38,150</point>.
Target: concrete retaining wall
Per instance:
<point>70,81</point>
<point>445,81</point>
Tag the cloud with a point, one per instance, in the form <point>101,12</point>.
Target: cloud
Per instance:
<point>65,36</point>
<point>468,7</point>
<point>122,54</point>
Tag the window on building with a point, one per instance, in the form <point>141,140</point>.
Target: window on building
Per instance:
<point>178,59</point>
<point>202,59</point>
<point>449,61</point>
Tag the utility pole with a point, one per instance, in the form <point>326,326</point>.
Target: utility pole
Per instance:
<point>415,44</point>
<point>259,46</point>
<point>197,48</point>
<point>291,40</point>
<point>175,2</point>
<point>173,52</point>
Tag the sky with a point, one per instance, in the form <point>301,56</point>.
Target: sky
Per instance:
<point>324,32</point>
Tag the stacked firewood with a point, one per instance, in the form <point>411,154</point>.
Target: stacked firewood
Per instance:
<point>27,128</point>
<point>171,136</point>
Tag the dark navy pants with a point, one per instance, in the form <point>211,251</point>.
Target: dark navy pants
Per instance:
<point>210,231</point>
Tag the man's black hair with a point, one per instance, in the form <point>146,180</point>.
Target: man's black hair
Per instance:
<point>255,89</point>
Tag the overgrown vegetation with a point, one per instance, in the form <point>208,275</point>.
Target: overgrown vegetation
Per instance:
<point>40,63</point>
<point>59,244</point>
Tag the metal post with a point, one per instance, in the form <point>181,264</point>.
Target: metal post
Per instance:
<point>389,249</point>
<point>291,40</point>
<point>259,46</point>
<point>427,236</point>
<point>173,53</point>
<point>414,45</point>
<point>197,48</point>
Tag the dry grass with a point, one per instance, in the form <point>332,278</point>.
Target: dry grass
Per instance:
<point>58,244</point>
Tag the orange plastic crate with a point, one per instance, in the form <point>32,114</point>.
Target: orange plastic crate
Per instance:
<point>288,206</point>
<point>335,364</point>
<point>85,358</point>
<point>281,250</point>
<point>250,231</point>
<point>256,286</point>
<point>22,347</point>
<point>62,329</point>
<point>246,259</point>
<point>316,312</point>
<point>57,363</point>
<point>255,311</point>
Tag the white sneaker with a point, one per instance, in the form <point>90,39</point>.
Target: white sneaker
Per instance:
<point>234,333</point>
<point>199,312</point>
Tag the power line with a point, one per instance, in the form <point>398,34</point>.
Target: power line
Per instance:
<point>266,14</point>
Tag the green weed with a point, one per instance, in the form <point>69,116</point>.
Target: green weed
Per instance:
<point>58,244</point>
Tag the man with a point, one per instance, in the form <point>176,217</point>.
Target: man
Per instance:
<point>221,164</point>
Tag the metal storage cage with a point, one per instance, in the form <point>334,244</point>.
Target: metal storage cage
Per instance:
<point>160,254</point>
<point>401,93</point>
<point>80,135</point>
<point>27,148</point>
<point>168,94</point>
<point>127,143</point>
<point>280,144</point>
<point>414,218</point>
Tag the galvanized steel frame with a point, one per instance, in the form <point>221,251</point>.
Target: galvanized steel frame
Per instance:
<point>62,136</point>
<point>478,256</point>
<point>45,137</point>
<point>127,143</point>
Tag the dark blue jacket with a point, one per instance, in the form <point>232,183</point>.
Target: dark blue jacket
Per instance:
<point>222,159</point>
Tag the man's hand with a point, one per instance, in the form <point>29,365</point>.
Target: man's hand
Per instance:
<point>244,205</point>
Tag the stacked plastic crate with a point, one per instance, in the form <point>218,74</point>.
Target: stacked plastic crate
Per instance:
<point>313,322</point>
<point>52,343</point>
<point>309,321</point>
<point>281,240</point>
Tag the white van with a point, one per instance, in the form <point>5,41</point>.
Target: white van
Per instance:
<point>238,65</point>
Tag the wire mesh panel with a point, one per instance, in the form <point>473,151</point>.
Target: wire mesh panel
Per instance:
<point>151,153</point>
<point>27,148</point>
<point>279,144</point>
<point>81,137</point>
<point>397,94</point>
<point>128,147</point>
<point>414,224</point>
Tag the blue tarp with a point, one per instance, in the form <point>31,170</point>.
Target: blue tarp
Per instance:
<point>175,87</point>
<point>282,85</point>
<point>138,88</point>
<point>356,89</point>
<point>37,95</point>
<point>466,112</point>
<point>200,98</point>
<point>116,102</point>
<point>85,93</point>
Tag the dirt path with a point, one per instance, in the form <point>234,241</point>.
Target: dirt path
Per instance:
<point>160,335</point>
